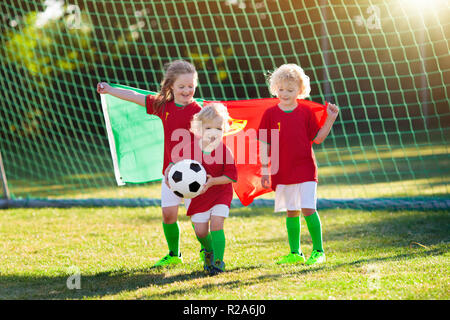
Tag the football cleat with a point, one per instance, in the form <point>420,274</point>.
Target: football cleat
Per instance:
<point>317,257</point>
<point>292,258</point>
<point>217,267</point>
<point>208,259</point>
<point>169,259</point>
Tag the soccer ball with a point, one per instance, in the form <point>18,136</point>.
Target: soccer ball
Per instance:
<point>186,178</point>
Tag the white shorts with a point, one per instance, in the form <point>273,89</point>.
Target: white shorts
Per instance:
<point>170,199</point>
<point>296,196</point>
<point>219,210</point>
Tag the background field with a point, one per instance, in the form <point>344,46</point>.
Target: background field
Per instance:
<point>384,63</point>
<point>371,255</point>
<point>382,171</point>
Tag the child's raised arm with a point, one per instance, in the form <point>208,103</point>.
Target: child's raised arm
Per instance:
<point>124,94</point>
<point>332,111</point>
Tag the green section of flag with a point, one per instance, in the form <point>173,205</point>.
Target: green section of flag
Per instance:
<point>136,139</point>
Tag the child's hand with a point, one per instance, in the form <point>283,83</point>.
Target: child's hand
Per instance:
<point>103,88</point>
<point>265,181</point>
<point>209,183</point>
<point>166,174</point>
<point>332,110</point>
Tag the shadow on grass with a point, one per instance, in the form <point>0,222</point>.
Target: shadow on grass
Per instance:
<point>396,229</point>
<point>99,285</point>
<point>393,229</point>
<point>92,286</point>
<point>291,271</point>
<point>110,283</point>
<point>355,263</point>
<point>388,231</point>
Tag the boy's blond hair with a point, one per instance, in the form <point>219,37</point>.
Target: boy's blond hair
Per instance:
<point>210,112</point>
<point>289,72</point>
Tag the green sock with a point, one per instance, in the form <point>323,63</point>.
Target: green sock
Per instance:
<point>218,244</point>
<point>201,244</point>
<point>315,230</point>
<point>206,242</point>
<point>172,234</point>
<point>293,231</point>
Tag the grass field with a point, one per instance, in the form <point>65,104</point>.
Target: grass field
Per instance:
<point>371,255</point>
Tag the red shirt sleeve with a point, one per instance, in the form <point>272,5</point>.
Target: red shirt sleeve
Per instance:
<point>149,101</point>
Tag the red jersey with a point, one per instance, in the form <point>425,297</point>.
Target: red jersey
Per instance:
<point>173,117</point>
<point>219,162</point>
<point>297,129</point>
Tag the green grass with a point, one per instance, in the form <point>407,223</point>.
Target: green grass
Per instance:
<point>371,255</point>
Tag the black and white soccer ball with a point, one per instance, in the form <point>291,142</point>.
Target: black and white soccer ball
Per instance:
<point>187,178</point>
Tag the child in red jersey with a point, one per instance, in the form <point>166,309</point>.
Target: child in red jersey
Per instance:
<point>175,105</point>
<point>209,209</point>
<point>295,181</point>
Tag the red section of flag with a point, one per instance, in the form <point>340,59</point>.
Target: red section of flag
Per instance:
<point>246,115</point>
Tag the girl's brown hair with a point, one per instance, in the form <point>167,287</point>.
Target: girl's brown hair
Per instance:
<point>172,71</point>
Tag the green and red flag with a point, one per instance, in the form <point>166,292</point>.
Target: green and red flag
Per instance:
<point>136,140</point>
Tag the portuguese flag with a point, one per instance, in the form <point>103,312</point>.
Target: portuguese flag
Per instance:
<point>136,140</point>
